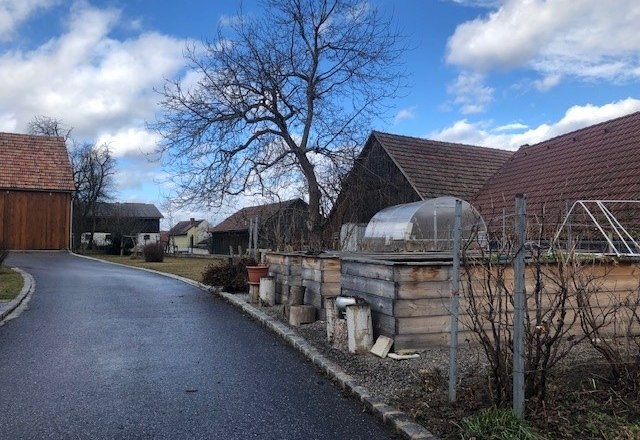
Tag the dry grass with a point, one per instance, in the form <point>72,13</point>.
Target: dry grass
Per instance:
<point>10,283</point>
<point>191,268</point>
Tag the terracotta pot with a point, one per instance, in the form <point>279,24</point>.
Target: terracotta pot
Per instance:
<point>254,273</point>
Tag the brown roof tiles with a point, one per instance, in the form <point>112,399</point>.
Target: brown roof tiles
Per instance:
<point>437,169</point>
<point>239,221</point>
<point>596,162</point>
<point>36,163</point>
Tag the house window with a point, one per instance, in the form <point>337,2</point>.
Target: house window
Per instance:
<point>107,237</point>
<point>147,237</point>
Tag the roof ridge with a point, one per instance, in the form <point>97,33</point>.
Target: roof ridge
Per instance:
<point>588,127</point>
<point>439,142</point>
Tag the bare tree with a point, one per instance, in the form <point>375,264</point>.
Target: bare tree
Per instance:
<point>93,169</point>
<point>48,126</point>
<point>279,98</point>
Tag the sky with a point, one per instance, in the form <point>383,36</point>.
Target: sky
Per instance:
<point>497,73</point>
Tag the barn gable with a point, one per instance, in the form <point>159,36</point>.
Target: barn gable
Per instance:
<point>36,186</point>
<point>394,169</point>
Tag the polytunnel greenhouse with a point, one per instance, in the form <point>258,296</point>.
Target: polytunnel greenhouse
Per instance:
<point>424,226</point>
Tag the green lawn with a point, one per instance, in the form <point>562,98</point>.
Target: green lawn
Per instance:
<point>191,268</point>
<point>10,283</point>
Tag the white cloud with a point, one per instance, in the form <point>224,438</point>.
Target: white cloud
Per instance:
<point>129,141</point>
<point>586,39</point>
<point>14,12</point>
<point>470,93</point>
<point>576,117</point>
<point>478,3</point>
<point>229,20</point>
<point>88,79</point>
<point>405,114</point>
<point>512,127</point>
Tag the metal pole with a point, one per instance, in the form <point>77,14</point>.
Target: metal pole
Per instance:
<point>519,304</point>
<point>455,302</point>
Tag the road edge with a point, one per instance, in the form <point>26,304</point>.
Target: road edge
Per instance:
<point>399,420</point>
<point>28,288</point>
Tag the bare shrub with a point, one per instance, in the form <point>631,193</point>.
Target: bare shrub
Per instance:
<point>610,318</point>
<point>153,253</point>
<point>487,285</point>
<point>232,276</point>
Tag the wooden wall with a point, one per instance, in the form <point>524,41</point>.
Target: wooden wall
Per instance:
<point>374,183</point>
<point>34,220</point>
<point>410,301</point>
<point>319,274</point>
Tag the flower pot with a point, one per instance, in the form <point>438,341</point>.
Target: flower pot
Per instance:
<point>254,273</point>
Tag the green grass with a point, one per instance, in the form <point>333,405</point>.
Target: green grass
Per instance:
<point>497,424</point>
<point>191,268</point>
<point>10,283</point>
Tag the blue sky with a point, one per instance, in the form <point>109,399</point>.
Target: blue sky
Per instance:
<point>485,72</point>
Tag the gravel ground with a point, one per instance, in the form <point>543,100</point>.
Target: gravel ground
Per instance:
<point>386,378</point>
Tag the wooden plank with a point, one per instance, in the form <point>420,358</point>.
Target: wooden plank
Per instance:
<point>383,324</point>
<point>276,269</point>
<point>331,276</point>
<point>330,264</point>
<point>311,274</point>
<point>278,259</point>
<point>375,287</point>
<point>429,324</point>
<point>312,296</point>
<point>379,304</point>
<point>406,308</point>
<point>422,273</point>
<point>423,289</point>
<point>330,289</point>
<point>368,270</point>
<point>311,263</point>
<point>294,263</point>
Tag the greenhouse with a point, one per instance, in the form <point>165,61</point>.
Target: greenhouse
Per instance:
<point>423,226</point>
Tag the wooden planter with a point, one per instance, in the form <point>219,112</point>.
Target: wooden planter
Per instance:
<point>254,273</point>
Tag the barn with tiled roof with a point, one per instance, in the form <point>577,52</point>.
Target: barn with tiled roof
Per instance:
<point>36,187</point>
<point>393,169</point>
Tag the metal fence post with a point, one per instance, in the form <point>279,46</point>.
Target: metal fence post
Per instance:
<point>519,305</point>
<point>455,301</point>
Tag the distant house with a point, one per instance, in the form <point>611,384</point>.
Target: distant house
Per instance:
<point>185,235</point>
<point>36,188</point>
<point>599,162</point>
<point>280,225</point>
<point>138,221</point>
<point>393,169</point>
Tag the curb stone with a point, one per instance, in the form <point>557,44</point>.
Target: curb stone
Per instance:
<point>399,420</point>
<point>28,287</point>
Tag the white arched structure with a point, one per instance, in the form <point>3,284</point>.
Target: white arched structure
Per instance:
<point>421,226</point>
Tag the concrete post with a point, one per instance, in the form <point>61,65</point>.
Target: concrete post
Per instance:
<point>268,291</point>
<point>359,328</point>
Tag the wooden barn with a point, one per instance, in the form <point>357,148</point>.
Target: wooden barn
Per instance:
<point>281,225</point>
<point>36,188</point>
<point>393,169</point>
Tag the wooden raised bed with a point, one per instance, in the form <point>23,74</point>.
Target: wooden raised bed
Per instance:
<point>410,300</point>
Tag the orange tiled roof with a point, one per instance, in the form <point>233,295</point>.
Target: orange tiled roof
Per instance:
<point>34,163</point>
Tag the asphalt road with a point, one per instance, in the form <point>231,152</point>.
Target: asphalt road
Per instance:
<point>104,351</point>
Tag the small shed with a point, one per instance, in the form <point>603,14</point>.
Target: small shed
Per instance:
<point>36,188</point>
<point>281,224</point>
